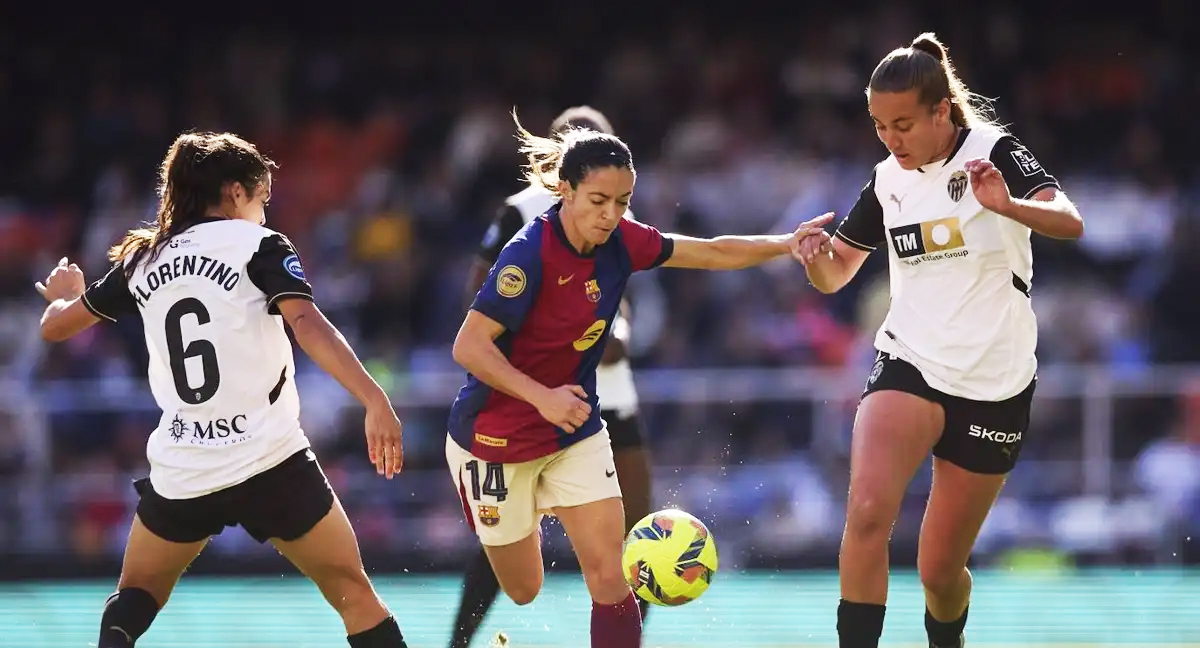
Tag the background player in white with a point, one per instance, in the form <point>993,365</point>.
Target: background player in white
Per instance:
<point>614,383</point>
<point>955,203</point>
<point>210,283</point>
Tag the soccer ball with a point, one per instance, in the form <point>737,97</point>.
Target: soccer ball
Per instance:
<point>669,558</point>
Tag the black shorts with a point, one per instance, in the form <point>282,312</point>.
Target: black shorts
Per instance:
<point>283,502</point>
<point>980,436</point>
<point>623,431</point>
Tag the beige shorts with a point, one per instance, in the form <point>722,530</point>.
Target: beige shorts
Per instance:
<point>504,503</point>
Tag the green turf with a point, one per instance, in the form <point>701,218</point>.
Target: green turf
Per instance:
<point>759,610</point>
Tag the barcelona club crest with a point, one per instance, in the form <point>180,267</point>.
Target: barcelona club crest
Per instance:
<point>593,290</point>
<point>489,516</point>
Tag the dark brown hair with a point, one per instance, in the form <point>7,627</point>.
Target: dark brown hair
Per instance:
<point>925,66</point>
<point>193,174</point>
<point>569,155</point>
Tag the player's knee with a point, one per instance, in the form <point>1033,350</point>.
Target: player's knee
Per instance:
<point>605,582</point>
<point>524,592</point>
<point>869,518</point>
<point>348,590</point>
<point>940,577</point>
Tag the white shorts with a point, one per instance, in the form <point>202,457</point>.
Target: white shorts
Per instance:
<point>504,503</point>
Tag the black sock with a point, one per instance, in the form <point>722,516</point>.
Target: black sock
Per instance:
<point>127,616</point>
<point>480,589</point>
<point>944,633</point>
<point>385,635</point>
<point>859,625</point>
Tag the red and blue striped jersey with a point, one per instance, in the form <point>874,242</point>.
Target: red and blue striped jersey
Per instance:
<point>556,306</point>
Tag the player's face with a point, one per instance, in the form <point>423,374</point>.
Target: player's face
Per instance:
<point>599,203</point>
<point>251,207</point>
<point>912,132</point>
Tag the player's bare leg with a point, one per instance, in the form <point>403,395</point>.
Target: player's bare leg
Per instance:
<point>149,571</point>
<point>597,532</point>
<point>633,473</point>
<point>328,555</point>
<point>893,433</point>
<point>959,502</point>
<point>518,567</point>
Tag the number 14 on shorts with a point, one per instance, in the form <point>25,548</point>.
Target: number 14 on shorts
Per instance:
<point>492,482</point>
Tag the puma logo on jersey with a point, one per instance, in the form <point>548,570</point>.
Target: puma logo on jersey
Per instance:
<point>562,281</point>
<point>898,201</point>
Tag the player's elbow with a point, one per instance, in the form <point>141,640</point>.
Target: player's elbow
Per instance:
<point>463,350</point>
<point>53,331</point>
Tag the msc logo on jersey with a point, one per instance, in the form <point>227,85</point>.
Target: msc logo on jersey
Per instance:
<point>510,281</point>
<point>489,516</point>
<point>590,336</point>
<point>957,187</point>
<point>293,267</point>
<point>592,289</point>
<point>928,241</point>
<point>219,431</point>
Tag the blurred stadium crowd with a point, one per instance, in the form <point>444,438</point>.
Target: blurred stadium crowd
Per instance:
<point>395,153</point>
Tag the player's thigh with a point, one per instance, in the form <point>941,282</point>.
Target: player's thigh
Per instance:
<point>959,502</point>
<point>580,487</point>
<point>498,502</point>
<point>632,461</point>
<point>165,537</point>
<point>897,424</point>
<point>978,449</point>
<point>328,554</point>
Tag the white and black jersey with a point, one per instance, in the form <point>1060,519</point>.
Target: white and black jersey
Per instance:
<point>614,382</point>
<point>221,365</point>
<point>960,274</point>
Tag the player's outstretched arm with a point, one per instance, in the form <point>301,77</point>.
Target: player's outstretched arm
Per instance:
<point>829,262</point>
<point>475,349</point>
<point>737,252</point>
<point>67,315</point>
<point>321,340</point>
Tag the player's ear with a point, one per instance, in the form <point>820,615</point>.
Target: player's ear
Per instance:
<point>565,191</point>
<point>941,111</point>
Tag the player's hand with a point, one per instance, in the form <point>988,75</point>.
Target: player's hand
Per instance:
<point>810,247</point>
<point>384,439</point>
<point>566,407</point>
<point>65,281</point>
<point>987,183</point>
<point>810,238</point>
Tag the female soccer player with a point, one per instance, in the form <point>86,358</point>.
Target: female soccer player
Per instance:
<point>955,372</point>
<point>614,384</point>
<point>525,435</point>
<point>211,283</point>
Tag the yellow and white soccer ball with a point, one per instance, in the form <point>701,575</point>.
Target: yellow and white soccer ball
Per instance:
<point>669,558</point>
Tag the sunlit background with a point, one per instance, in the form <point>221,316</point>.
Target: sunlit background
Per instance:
<point>396,148</point>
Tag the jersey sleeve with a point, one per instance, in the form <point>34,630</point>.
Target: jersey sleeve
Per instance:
<point>647,247</point>
<point>276,270</point>
<point>109,297</point>
<point>504,226</point>
<point>512,285</point>
<point>862,228</point>
<point>1022,172</point>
